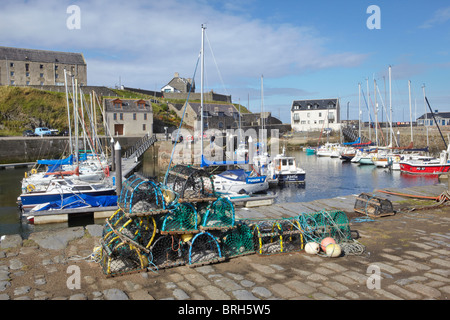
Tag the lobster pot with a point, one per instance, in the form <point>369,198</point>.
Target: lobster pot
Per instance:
<point>220,215</point>
<point>140,196</point>
<point>168,251</point>
<point>268,237</point>
<point>312,226</point>
<point>145,230</point>
<point>120,229</point>
<point>191,184</point>
<point>373,206</point>
<point>237,241</point>
<point>319,225</point>
<point>204,249</point>
<point>116,226</point>
<point>292,235</point>
<point>124,259</point>
<point>181,219</point>
<point>340,230</point>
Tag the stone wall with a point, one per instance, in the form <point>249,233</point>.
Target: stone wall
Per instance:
<point>20,149</point>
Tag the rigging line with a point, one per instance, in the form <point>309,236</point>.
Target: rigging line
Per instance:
<point>215,62</point>
<point>181,123</point>
<point>365,101</point>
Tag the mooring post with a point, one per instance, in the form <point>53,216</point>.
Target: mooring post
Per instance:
<point>118,160</point>
<point>113,163</point>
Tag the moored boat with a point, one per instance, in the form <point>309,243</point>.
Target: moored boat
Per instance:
<point>239,181</point>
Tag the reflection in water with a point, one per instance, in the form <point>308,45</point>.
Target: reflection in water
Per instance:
<point>325,178</point>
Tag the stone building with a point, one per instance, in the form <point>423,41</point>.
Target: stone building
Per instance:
<point>23,67</point>
<point>128,117</point>
<point>215,115</point>
<point>179,85</point>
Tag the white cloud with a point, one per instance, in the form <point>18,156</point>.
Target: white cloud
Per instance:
<point>440,16</point>
<point>146,42</point>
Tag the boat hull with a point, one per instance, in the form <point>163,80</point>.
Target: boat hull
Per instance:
<point>30,200</point>
<point>291,178</point>
<point>436,169</point>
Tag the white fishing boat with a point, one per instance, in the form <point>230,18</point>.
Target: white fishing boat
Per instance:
<point>239,182</point>
<point>283,169</point>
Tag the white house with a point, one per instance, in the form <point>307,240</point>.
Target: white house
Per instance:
<point>129,117</point>
<point>315,115</point>
<point>442,119</point>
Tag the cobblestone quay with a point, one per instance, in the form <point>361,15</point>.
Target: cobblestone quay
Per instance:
<point>406,258</point>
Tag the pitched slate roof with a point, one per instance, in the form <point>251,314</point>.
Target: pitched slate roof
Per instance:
<point>429,116</point>
<point>181,84</point>
<point>213,109</point>
<point>127,105</point>
<point>33,55</point>
<point>315,104</point>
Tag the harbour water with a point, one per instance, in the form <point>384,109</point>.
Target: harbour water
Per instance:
<point>325,178</point>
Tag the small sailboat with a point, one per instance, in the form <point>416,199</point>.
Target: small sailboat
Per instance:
<point>239,182</point>
<point>59,189</point>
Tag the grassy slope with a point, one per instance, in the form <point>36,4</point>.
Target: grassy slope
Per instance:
<point>24,108</point>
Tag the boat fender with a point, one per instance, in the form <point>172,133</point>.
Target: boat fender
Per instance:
<point>106,170</point>
<point>325,242</point>
<point>333,250</point>
<point>312,248</point>
<point>30,187</point>
<point>33,171</point>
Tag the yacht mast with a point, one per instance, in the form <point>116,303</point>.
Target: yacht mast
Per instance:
<point>202,65</point>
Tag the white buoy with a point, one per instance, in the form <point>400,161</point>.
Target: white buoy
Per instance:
<point>333,250</point>
<point>312,248</point>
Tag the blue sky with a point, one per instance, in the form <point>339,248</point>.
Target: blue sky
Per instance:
<point>304,49</point>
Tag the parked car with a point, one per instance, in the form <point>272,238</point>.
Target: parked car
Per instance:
<point>29,133</point>
<point>54,132</point>
<point>42,131</point>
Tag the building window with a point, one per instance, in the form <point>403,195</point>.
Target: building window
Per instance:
<point>27,74</point>
<point>41,75</point>
<point>11,64</point>
<point>296,117</point>
<point>134,116</point>
<point>56,76</point>
<point>320,114</point>
<point>12,73</point>
<point>12,82</point>
<point>121,116</point>
<point>28,83</point>
<point>42,83</point>
<point>117,104</point>
<point>56,67</point>
<point>41,66</point>
<point>27,67</point>
<point>145,116</point>
<point>144,127</point>
<point>115,116</point>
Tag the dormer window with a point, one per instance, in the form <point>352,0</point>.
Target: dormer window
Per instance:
<point>140,104</point>
<point>117,103</point>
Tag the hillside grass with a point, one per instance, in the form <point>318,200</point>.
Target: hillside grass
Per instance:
<point>23,108</point>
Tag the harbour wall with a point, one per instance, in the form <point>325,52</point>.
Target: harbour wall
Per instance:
<point>30,149</point>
